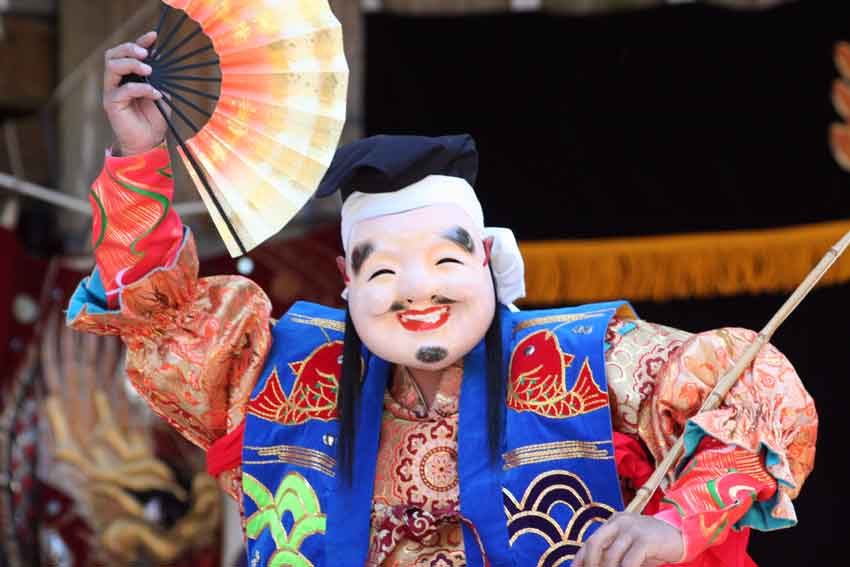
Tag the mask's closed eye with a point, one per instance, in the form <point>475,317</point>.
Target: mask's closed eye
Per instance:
<point>449,261</point>
<point>380,273</point>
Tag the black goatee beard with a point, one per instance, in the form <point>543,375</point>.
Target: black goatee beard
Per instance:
<point>431,354</point>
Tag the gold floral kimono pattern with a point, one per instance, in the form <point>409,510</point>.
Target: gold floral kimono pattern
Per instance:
<point>416,519</point>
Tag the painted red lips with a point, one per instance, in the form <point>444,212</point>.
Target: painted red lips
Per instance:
<point>425,319</point>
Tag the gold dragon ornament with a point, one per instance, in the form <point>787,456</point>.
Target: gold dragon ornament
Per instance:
<point>101,453</point>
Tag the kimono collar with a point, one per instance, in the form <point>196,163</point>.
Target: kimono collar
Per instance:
<point>405,400</point>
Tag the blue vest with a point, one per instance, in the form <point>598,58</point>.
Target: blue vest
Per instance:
<point>556,484</point>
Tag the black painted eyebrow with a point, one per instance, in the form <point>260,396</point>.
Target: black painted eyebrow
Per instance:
<point>461,237</point>
<point>359,255</point>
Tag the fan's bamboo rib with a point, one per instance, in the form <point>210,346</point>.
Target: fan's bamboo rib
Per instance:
<point>180,113</point>
<point>191,78</point>
<point>201,175</point>
<point>729,379</point>
<point>170,35</point>
<point>187,67</point>
<point>162,15</point>
<point>186,56</point>
<point>184,88</point>
<point>163,58</point>
<point>181,98</point>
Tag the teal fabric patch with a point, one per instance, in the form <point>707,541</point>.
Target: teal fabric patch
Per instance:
<point>606,346</point>
<point>628,327</point>
<point>90,294</point>
<point>758,516</point>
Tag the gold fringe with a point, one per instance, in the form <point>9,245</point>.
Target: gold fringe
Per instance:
<point>660,268</point>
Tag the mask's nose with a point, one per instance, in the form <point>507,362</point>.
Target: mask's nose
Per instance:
<point>411,301</point>
<point>417,286</point>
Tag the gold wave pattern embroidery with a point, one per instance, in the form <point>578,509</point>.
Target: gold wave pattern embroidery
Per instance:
<point>294,495</point>
<point>531,515</point>
<point>545,452</point>
<point>292,455</point>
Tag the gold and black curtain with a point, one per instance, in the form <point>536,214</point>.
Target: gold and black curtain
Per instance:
<point>627,165</point>
<point>688,173</point>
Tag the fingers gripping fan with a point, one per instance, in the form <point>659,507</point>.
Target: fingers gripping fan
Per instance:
<point>268,135</point>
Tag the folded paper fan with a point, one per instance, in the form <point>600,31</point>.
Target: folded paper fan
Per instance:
<point>276,120</point>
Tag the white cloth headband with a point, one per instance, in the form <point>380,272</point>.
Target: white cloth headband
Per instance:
<point>431,190</point>
<point>505,257</point>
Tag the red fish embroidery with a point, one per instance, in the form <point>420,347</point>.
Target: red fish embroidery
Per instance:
<point>314,394</point>
<point>538,380</point>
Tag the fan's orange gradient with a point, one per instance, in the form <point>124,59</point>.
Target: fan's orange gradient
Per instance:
<point>281,110</point>
<point>839,133</point>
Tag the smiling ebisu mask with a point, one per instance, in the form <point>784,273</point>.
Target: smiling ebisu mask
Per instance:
<point>423,274</point>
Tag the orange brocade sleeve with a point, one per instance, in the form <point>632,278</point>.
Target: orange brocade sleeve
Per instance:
<point>195,347</point>
<point>744,462</point>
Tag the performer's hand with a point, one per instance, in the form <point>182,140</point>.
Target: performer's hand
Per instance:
<point>135,120</point>
<point>632,540</point>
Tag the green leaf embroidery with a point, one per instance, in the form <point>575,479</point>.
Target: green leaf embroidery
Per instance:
<point>295,495</point>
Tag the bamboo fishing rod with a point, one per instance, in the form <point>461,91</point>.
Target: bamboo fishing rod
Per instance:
<point>729,379</point>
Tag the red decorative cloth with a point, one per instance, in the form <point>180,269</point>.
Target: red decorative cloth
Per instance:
<point>226,452</point>
<point>634,469</point>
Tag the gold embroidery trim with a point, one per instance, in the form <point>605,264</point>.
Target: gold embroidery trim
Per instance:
<point>563,318</point>
<point>338,326</point>
<point>298,456</point>
<point>544,452</point>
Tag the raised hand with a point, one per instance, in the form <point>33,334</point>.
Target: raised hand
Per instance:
<point>632,540</point>
<point>131,109</point>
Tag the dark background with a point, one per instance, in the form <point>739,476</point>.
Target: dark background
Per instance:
<point>677,119</point>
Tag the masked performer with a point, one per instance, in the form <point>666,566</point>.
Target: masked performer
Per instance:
<point>431,423</point>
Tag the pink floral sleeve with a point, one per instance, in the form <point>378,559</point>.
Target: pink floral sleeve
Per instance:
<point>746,461</point>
